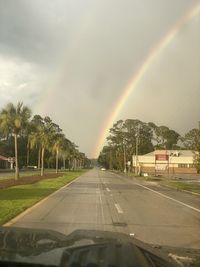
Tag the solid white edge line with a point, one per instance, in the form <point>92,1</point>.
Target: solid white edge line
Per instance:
<point>163,195</point>
<point>117,206</point>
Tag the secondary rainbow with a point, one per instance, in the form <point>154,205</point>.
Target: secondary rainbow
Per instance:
<point>140,73</point>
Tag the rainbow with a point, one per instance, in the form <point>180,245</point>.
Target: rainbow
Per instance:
<point>132,84</point>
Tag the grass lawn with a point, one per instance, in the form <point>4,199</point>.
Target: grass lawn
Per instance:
<point>184,186</point>
<point>16,199</point>
<point>179,185</point>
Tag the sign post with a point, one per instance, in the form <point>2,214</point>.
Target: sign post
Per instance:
<point>11,161</point>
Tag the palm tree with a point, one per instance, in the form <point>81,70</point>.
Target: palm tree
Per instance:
<point>65,152</point>
<point>34,137</point>
<point>58,146</point>
<point>13,119</point>
<point>48,132</point>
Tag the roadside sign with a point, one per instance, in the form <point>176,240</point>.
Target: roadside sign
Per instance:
<point>11,159</point>
<point>162,157</point>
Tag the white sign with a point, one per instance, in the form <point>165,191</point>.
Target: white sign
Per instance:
<point>161,167</point>
<point>11,159</point>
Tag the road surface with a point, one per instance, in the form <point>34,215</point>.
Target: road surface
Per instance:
<point>102,200</point>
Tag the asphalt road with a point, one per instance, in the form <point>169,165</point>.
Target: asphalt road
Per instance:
<point>102,200</point>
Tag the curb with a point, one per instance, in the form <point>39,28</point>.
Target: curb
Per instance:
<point>23,213</point>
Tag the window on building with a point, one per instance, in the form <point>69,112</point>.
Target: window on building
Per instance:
<point>183,165</point>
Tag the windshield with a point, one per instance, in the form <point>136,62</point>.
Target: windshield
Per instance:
<point>99,118</point>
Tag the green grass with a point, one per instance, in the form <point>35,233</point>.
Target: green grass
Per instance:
<point>184,186</point>
<point>179,185</point>
<point>16,199</point>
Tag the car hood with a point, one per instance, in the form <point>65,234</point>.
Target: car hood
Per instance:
<point>49,247</point>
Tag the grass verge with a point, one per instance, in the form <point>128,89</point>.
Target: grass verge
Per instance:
<point>178,185</point>
<point>195,188</point>
<point>16,199</point>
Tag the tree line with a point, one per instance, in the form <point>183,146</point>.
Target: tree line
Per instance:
<point>35,140</point>
<point>126,138</point>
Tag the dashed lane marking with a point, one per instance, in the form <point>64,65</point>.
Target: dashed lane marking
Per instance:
<point>132,234</point>
<point>117,206</point>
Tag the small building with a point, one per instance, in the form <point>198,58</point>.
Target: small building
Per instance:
<point>165,162</point>
<point>4,162</point>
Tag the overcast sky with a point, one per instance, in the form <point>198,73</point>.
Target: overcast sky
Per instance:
<point>71,59</point>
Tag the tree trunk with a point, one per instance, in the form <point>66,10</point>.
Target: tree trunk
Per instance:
<point>57,153</point>
<point>42,163</point>
<point>64,165</point>
<point>28,154</point>
<point>16,159</point>
<point>39,157</point>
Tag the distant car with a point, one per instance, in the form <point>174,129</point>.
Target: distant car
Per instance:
<point>32,167</point>
<point>103,169</point>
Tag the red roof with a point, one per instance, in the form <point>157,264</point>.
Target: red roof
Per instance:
<point>3,158</point>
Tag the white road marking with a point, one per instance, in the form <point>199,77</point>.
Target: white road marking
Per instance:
<point>102,213</point>
<point>119,210</point>
<point>107,189</point>
<point>175,200</point>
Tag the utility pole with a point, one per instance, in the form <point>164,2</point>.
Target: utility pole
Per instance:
<point>136,150</point>
<point>136,154</point>
<point>124,148</point>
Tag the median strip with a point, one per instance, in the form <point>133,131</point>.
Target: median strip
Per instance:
<point>17,199</point>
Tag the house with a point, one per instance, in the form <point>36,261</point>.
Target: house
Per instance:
<point>166,162</point>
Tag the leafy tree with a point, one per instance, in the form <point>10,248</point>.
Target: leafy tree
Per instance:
<point>130,135</point>
<point>123,139</point>
<point>164,137</point>
<point>191,140</point>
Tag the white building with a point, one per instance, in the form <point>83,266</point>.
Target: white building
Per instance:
<point>166,161</point>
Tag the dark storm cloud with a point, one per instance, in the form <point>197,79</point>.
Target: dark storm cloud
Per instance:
<point>37,30</point>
